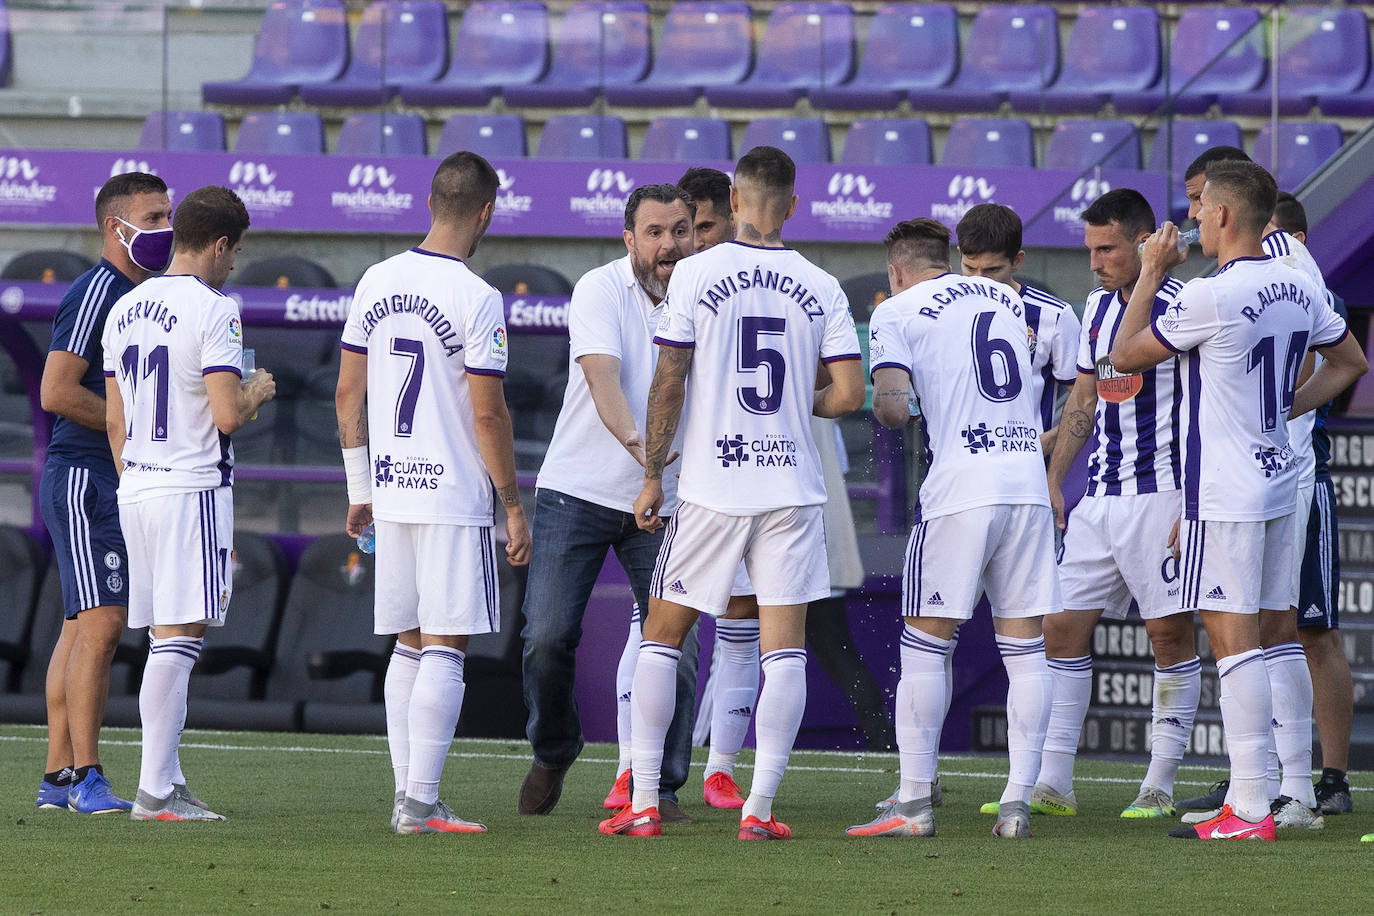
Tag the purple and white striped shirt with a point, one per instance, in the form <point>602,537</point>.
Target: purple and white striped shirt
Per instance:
<point>1052,331</point>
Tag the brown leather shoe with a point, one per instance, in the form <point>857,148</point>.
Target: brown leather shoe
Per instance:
<point>540,791</point>
<point>670,813</point>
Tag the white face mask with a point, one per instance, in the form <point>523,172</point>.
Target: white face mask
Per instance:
<point>150,249</point>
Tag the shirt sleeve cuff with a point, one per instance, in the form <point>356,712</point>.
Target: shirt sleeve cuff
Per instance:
<point>680,344</point>
<point>481,370</point>
<point>1159,335</point>
<point>841,358</point>
<point>209,370</point>
<point>1345,332</point>
<point>888,365</point>
<point>352,348</point>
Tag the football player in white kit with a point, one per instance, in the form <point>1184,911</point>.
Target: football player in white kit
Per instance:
<point>983,520</point>
<point>757,320</point>
<point>1115,545</point>
<point>174,390</point>
<point>1243,335</point>
<point>425,436</point>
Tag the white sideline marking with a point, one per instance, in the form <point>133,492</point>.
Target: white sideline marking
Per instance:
<point>1209,774</point>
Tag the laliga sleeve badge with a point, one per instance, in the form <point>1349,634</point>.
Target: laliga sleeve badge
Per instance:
<point>235,338</point>
<point>498,343</point>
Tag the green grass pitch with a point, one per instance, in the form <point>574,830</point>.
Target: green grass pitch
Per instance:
<point>307,832</point>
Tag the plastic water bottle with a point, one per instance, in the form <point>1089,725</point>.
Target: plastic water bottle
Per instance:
<point>1185,238</point>
<point>367,541</point>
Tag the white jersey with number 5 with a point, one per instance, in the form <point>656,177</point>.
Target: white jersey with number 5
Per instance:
<point>425,321</point>
<point>1243,335</point>
<point>760,320</point>
<point>963,342</point>
<point>161,339</point>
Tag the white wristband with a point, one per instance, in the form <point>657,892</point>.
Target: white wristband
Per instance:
<point>359,473</point>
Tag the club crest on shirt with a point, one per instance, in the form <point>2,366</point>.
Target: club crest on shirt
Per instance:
<point>1031,339</point>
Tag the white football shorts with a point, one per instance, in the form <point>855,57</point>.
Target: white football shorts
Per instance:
<point>1005,550</point>
<point>1300,516</point>
<point>783,553</point>
<point>1238,567</point>
<point>181,557</point>
<point>1115,549</point>
<point>438,578</point>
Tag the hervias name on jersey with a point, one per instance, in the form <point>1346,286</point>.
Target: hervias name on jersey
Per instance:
<point>1116,386</point>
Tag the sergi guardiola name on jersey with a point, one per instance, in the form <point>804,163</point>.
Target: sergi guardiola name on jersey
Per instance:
<point>963,288</point>
<point>1272,293</point>
<point>718,293</point>
<point>147,311</point>
<point>411,304</point>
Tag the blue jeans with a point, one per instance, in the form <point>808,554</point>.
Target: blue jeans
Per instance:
<point>571,537</point>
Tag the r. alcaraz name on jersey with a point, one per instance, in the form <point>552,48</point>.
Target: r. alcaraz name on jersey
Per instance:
<point>760,321</point>
<point>76,329</point>
<point>1136,427</point>
<point>962,340</point>
<point>1052,330</point>
<point>426,322</point>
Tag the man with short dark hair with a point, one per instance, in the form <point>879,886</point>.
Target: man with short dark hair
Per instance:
<point>1115,543</point>
<point>77,492</point>
<point>758,319</point>
<point>984,523</point>
<point>586,486</point>
<point>174,390</point>
<point>1242,334</point>
<point>710,190</point>
<point>420,382</point>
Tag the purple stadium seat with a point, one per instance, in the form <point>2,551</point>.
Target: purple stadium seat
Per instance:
<point>805,46</point>
<point>495,136</point>
<point>1111,49</point>
<point>499,44</point>
<point>1322,50</point>
<point>1081,145</point>
<point>183,132</point>
<point>1303,147</point>
<point>599,44</point>
<point>300,41</point>
<point>583,137</point>
<point>376,134</point>
<point>280,132</point>
<point>703,44</point>
<point>888,141</point>
<point>1010,49</point>
<point>804,139</point>
<point>400,42</point>
<point>899,34</point>
<point>1188,140</point>
<point>989,143</point>
<point>687,140</point>
<point>1216,49</point>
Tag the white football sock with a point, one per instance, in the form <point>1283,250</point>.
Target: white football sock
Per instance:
<point>396,690</point>
<point>1246,713</point>
<point>652,699</point>
<point>737,687</point>
<point>1177,691</point>
<point>1071,685</point>
<point>1291,684</point>
<point>920,712</point>
<point>624,680</point>
<point>435,704</point>
<point>949,670</point>
<point>1028,711</point>
<point>162,710</point>
<point>781,704</point>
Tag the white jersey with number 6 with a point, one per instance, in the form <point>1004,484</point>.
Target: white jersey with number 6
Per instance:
<point>161,339</point>
<point>425,321</point>
<point>1243,335</point>
<point>760,320</point>
<point>963,342</point>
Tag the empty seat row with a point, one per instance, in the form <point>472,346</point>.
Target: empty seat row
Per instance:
<point>1012,54</point>
<point>1007,142</point>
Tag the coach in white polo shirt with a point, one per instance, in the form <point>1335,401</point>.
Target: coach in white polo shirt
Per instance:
<point>592,473</point>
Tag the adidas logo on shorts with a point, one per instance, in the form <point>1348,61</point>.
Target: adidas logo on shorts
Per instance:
<point>935,601</point>
<point>677,588</point>
<point>624,697</point>
<point>1216,594</point>
<point>743,711</point>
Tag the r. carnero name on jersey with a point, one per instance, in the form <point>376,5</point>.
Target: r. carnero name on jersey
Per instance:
<point>966,288</point>
<point>718,293</point>
<point>414,304</point>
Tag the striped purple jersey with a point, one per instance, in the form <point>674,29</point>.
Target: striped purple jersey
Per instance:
<point>1135,441</point>
<point>1052,331</point>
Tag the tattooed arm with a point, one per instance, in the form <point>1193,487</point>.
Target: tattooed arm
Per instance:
<point>1075,426</point>
<point>350,407</point>
<point>496,444</point>
<point>891,395</point>
<point>666,395</point>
